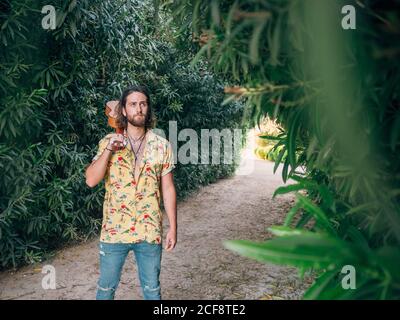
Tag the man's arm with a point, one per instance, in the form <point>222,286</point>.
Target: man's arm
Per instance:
<point>96,170</point>
<point>169,198</point>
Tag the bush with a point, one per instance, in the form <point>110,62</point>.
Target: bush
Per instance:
<point>54,85</point>
<point>336,95</point>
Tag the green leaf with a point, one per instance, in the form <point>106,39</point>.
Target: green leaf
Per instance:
<point>279,159</point>
<point>274,43</point>
<point>358,238</point>
<point>321,284</point>
<point>287,189</point>
<point>198,55</point>
<point>317,213</point>
<point>309,250</point>
<point>255,40</point>
<point>287,231</point>
<point>285,170</point>
<point>291,214</point>
<point>294,127</point>
<point>269,137</point>
<point>228,100</point>
<point>215,12</point>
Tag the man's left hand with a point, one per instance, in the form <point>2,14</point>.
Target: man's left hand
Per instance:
<point>170,240</point>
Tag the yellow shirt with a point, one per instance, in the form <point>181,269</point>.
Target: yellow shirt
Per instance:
<point>131,209</point>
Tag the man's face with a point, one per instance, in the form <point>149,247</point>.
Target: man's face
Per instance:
<point>136,109</point>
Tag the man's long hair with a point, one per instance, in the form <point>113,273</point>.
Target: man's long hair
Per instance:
<point>122,121</point>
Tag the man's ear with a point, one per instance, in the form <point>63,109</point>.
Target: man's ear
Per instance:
<point>123,112</point>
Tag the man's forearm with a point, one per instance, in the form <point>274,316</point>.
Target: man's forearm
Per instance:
<point>96,170</point>
<point>169,197</point>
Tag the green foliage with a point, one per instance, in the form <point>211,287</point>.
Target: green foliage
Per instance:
<point>336,94</point>
<point>53,88</point>
<point>272,153</point>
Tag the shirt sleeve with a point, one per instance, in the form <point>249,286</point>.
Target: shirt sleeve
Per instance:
<point>168,160</point>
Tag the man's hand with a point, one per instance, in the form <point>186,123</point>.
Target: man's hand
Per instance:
<point>170,240</point>
<point>116,141</point>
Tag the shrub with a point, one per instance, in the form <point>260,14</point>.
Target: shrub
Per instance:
<point>53,88</point>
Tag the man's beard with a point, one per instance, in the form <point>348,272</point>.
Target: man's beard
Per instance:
<point>137,121</point>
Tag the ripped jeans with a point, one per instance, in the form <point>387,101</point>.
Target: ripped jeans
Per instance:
<point>112,259</point>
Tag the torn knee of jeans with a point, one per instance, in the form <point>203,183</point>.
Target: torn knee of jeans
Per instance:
<point>151,288</point>
<point>102,253</point>
<point>105,289</point>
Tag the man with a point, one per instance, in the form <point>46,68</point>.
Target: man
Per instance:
<point>135,176</point>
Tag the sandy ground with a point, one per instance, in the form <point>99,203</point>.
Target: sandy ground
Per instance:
<point>240,207</point>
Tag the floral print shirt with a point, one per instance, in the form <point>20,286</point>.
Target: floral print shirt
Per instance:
<point>131,209</point>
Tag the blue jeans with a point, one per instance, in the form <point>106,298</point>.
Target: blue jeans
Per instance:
<point>112,259</point>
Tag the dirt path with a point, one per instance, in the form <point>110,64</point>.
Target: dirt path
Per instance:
<point>200,267</point>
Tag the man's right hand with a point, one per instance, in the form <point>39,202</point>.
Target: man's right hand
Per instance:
<point>115,141</point>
